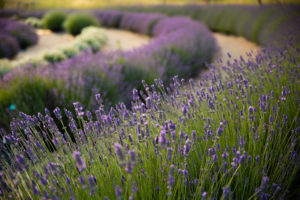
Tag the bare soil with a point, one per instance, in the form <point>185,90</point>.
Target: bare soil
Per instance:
<point>236,46</point>
<point>47,41</point>
<point>124,40</point>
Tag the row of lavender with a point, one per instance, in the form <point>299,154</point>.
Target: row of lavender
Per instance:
<point>180,46</point>
<point>266,25</point>
<point>14,36</point>
<point>215,139</point>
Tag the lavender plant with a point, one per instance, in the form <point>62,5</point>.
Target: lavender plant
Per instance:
<point>140,22</point>
<point>9,46</point>
<point>109,18</point>
<point>232,138</point>
<point>24,34</point>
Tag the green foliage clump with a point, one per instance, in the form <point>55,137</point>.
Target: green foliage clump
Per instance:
<point>4,67</point>
<point>53,57</point>
<point>54,20</point>
<point>34,22</point>
<point>70,52</point>
<point>76,22</point>
<point>90,37</point>
<point>21,94</point>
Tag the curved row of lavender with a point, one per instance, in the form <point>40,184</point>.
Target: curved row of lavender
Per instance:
<point>180,46</point>
<point>267,25</point>
<point>233,138</point>
<point>15,35</point>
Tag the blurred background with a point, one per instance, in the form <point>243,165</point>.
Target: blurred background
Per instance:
<point>80,4</point>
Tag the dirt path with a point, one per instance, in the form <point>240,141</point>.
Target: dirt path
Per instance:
<point>236,46</point>
<point>47,41</point>
<point>124,40</point>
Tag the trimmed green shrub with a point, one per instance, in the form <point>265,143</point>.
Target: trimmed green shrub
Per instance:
<point>77,21</point>
<point>70,52</point>
<point>54,20</point>
<point>53,57</point>
<point>92,38</point>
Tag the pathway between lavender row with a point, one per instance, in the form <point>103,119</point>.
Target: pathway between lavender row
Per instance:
<point>126,40</point>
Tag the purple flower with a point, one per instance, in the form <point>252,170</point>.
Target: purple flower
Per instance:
<point>57,113</point>
<point>215,157</point>
<point>118,191</point>
<point>132,155</point>
<point>204,195</point>
<point>98,99</point>
<point>82,182</point>
<point>129,167</point>
<point>225,192</point>
<point>118,150</point>
<point>80,164</point>
<point>162,137</point>
<point>251,110</point>
<point>169,150</point>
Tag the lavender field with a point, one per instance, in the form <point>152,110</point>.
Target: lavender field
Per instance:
<point>167,120</point>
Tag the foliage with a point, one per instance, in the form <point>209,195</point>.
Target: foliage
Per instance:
<point>54,20</point>
<point>34,22</point>
<point>77,21</point>
<point>55,56</point>
<point>92,37</point>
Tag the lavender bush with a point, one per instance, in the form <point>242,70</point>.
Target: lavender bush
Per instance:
<point>140,22</point>
<point>9,46</point>
<point>232,138</point>
<point>24,34</point>
<point>109,18</point>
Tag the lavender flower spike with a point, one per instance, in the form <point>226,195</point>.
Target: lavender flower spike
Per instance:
<point>80,164</point>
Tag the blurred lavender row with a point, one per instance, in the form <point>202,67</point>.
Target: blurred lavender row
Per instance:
<point>266,25</point>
